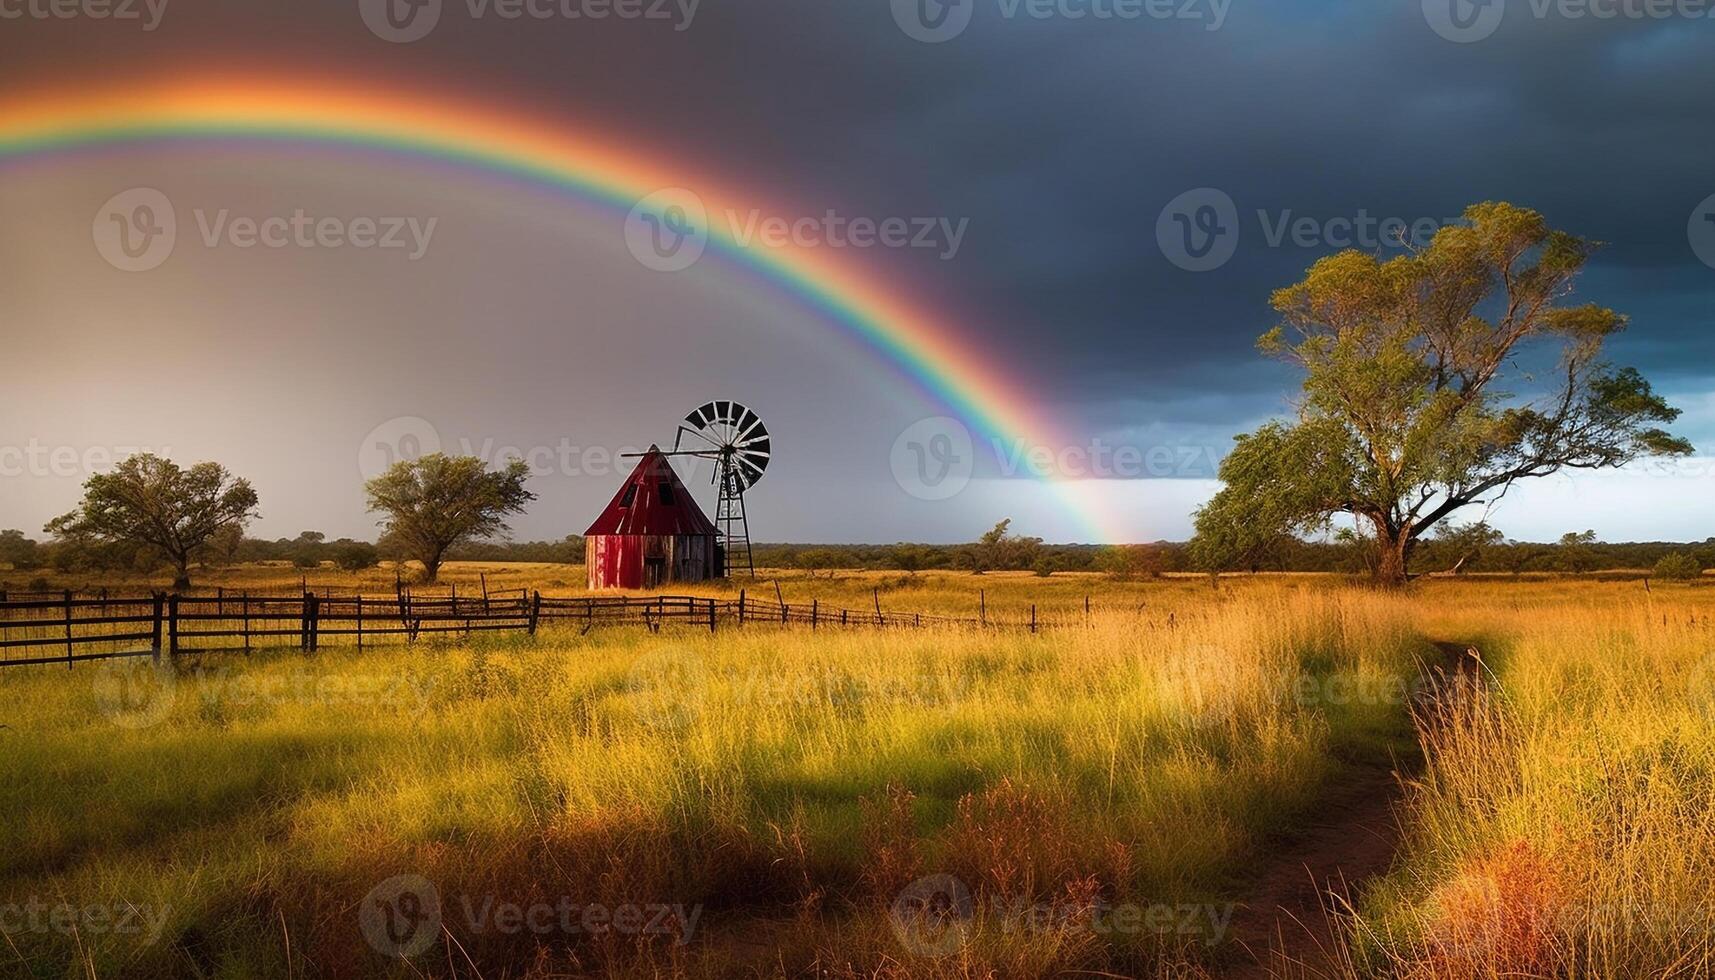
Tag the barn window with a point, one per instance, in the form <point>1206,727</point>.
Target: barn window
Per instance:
<point>666,494</point>
<point>630,495</point>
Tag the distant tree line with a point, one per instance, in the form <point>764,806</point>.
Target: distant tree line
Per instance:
<point>150,514</point>
<point>310,549</point>
<point>1573,553</point>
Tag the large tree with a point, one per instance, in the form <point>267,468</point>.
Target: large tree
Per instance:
<point>1433,381</point>
<point>152,502</point>
<point>438,501</point>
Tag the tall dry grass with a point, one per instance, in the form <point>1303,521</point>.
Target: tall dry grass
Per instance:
<point>789,786</point>
<point>1565,826</point>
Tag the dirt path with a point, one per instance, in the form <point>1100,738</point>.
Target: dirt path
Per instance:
<point>1284,922</point>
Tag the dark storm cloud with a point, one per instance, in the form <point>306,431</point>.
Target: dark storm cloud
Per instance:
<point>1061,139</point>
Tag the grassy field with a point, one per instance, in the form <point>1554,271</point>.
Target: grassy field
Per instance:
<point>948,802</point>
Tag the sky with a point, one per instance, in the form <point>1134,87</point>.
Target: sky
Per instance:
<point>1040,160</point>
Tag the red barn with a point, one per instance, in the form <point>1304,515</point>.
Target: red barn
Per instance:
<point>652,533</point>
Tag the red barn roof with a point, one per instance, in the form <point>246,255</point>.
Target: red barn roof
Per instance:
<point>652,501</point>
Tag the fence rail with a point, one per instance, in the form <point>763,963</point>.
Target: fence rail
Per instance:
<point>68,629</point>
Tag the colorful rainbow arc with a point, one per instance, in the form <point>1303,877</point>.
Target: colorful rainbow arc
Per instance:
<point>951,370</point>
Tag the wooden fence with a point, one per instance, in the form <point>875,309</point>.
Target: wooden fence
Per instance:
<point>70,628</point>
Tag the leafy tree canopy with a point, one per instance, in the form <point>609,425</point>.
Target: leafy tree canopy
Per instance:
<point>150,501</point>
<point>1408,415</point>
<point>436,502</point>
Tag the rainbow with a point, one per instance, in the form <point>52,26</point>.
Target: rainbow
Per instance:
<point>946,366</point>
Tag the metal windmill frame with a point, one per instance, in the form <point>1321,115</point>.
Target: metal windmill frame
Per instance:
<point>737,441</point>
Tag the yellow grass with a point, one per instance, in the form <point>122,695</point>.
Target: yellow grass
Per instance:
<point>1566,824</point>
<point>794,788</point>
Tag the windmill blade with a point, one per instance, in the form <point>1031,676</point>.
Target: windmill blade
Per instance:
<point>747,472</point>
<point>736,435</point>
<point>714,446</point>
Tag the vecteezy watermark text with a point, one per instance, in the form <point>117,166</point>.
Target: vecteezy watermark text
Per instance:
<point>404,915</point>
<point>935,459</point>
<point>404,21</point>
<point>936,915</point>
<point>146,12</point>
<point>37,915</point>
<point>669,230</point>
<point>935,21</point>
<point>1467,21</point>
<point>34,459</point>
<point>410,438</point>
<point>136,230</point>
<point>1200,230</point>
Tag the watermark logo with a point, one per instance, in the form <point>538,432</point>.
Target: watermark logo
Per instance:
<point>933,21</point>
<point>400,21</point>
<point>1701,231</point>
<point>933,459</point>
<point>409,438</point>
<point>668,686</point>
<point>401,917</point>
<point>937,21</point>
<point>135,693</point>
<point>147,12</point>
<point>404,21</point>
<point>668,230</point>
<point>37,459</point>
<point>135,230</point>
<point>402,440</point>
<point>77,922</point>
<point>1199,230</point>
<point>1464,21</point>
<point>932,916</point>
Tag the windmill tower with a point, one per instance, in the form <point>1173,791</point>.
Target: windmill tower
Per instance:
<point>734,438</point>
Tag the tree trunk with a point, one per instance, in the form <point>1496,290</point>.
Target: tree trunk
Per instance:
<point>1393,555</point>
<point>181,574</point>
<point>432,567</point>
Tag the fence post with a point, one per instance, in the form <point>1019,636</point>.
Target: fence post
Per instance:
<point>483,577</point>
<point>315,622</point>
<point>1033,617</point>
<point>155,641</point>
<point>360,622</point>
<point>173,625</point>
<point>68,630</point>
<point>843,612</point>
<point>1086,607</point>
<point>245,599</point>
<point>741,607</point>
<point>535,611</point>
<point>785,611</point>
<point>879,620</point>
<point>982,607</point>
<point>815,611</point>
<point>712,615</point>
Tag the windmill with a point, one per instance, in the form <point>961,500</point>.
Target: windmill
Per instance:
<point>733,437</point>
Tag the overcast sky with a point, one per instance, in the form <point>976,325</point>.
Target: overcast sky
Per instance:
<point>1060,145</point>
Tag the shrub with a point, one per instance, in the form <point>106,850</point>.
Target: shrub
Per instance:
<point>355,556</point>
<point>1678,566</point>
